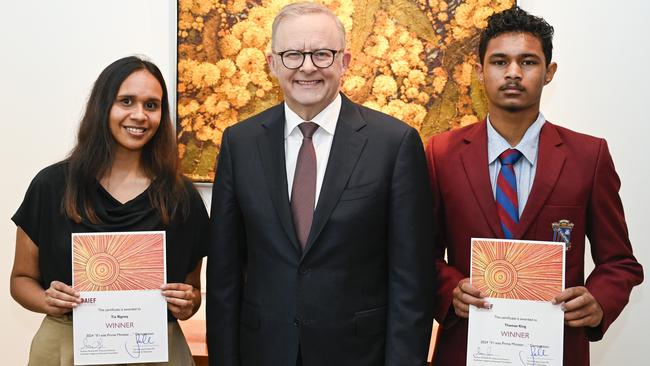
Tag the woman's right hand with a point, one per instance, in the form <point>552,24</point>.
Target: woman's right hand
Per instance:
<point>60,299</point>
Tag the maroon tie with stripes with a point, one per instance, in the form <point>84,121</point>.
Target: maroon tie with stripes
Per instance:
<point>303,191</point>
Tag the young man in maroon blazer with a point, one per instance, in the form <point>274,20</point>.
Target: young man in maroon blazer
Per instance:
<point>563,179</point>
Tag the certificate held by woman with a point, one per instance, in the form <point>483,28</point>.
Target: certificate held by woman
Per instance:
<point>122,317</point>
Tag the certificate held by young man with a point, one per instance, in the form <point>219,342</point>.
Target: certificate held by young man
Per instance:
<point>519,279</point>
<point>123,316</point>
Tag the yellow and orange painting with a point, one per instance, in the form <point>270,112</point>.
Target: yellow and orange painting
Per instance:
<point>517,270</point>
<point>412,59</point>
<point>118,262</point>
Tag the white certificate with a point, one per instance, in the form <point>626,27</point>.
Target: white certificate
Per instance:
<point>123,315</point>
<point>520,278</point>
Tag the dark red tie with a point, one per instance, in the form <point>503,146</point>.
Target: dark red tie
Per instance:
<point>303,191</point>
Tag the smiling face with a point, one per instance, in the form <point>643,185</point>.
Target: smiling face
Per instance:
<point>308,89</point>
<point>136,112</point>
<point>514,73</point>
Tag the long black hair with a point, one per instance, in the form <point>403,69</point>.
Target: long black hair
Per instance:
<point>93,155</point>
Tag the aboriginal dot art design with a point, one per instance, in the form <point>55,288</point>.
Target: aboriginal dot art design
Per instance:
<point>113,262</point>
<point>514,270</point>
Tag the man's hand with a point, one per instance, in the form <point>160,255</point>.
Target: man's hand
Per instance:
<point>580,307</point>
<point>466,295</point>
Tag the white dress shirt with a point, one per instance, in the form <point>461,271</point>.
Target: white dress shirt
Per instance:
<point>525,167</point>
<point>322,140</point>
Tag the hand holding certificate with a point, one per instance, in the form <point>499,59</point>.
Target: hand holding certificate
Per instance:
<point>519,279</point>
<point>122,317</point>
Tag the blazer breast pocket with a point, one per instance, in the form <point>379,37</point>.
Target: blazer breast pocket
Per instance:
<point>358,192</point>
<point>370,322</point>
<point>550,214</point>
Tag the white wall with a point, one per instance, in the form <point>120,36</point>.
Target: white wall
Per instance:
<point>51,52</point>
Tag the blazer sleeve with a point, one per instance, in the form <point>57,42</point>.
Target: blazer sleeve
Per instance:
<point>448,276</point>
<point>411,275</point>
<point>616,269</point>
<point>225,264</point>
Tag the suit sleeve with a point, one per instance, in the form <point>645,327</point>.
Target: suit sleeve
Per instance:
<point>616,269</point>
<point>448,276</point>
<point>225,264</point>
<point>199,223</point>
<point>411,275</point>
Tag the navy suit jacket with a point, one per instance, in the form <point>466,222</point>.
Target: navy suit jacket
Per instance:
<point>361,293</point>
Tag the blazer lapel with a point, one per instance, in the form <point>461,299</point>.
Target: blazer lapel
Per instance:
<point>271,149</point>
<point>475,163</point>
<point>550,160</point>
<point>344,154</point>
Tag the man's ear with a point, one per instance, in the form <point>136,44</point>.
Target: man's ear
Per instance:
<point>550,72</point>
<point>347,58</point>
<point>479,72</point>
<point>270,60</point>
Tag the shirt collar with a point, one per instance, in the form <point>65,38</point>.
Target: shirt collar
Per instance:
<point>527,146</point>
<point>326,119</point>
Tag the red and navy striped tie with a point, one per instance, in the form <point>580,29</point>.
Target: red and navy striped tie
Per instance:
<point>506,195</point>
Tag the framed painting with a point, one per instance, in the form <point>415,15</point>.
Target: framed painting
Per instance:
<point>412,59</point>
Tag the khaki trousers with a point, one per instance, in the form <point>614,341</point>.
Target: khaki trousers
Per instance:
<point>52,345</point>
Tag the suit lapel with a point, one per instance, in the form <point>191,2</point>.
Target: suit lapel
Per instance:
<point>475,163</point>
<point>344,154</point>
<point>271,149</point>
<point>550,160</point>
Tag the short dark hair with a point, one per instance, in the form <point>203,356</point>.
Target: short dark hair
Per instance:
<point>93,154</point>
<point>517,20</point>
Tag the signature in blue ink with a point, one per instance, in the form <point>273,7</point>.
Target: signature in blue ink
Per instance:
<point>479,352</point>
<point>140,339</point>
<point>535,352</point>
<point>92,344</point>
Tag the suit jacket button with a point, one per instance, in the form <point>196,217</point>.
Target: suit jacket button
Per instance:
<point>304,270</point>
<point>297,322</point>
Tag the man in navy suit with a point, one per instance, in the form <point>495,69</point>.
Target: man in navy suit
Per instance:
<point>321,221</point>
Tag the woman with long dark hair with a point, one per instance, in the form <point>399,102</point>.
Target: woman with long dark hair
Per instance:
<point>122,175</point>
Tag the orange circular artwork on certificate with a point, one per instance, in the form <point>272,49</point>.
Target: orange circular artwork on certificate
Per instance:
<point>500,276</point>
<point>102,269</point>
<point>517,270</point>
<point>118,262</point>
